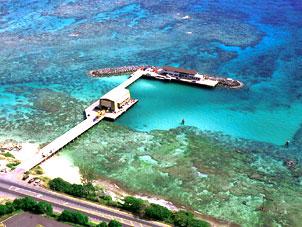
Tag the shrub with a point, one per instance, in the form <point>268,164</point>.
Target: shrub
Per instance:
<point>44,208</point>
<point>184,218</point>
<point>77,190</point>
<point>198,223</point>
<point>114,223</point>
<point>29,204</point>
<point>157,212</point>
<point>12,165</point>
<point>73,217</point>
<point>102,224</point>
<point>6,209</point>
<point>133,204</point>
<point>58,184</point>
<point>37,170</point>
<point>26,204</point>
<point>8,155</point>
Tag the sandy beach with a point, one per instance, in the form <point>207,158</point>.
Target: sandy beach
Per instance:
<point>16,152</point>
<point>62,166</point>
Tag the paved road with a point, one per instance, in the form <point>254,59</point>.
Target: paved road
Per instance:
<point>94,211</point>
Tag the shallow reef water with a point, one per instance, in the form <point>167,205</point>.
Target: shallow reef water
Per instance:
<point>239,180</point>
<point>229,161</point>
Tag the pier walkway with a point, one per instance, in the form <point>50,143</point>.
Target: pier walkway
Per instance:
<point>92,118</point>
<point>134,77</point>
<point>202,81</point>
<point>57,144</point>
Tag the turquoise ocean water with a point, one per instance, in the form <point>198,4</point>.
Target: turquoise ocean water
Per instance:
<point>233,164</point>
<point>53,45</point>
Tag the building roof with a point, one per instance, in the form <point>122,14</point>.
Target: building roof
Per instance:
<point>179,70</point>
<point>117,95</point>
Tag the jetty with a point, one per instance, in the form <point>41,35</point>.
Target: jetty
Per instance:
<point>172,74</point>
<point>117,101</point>
<point>54,146</point>
<point>110,106</point>
<point>115,71</point>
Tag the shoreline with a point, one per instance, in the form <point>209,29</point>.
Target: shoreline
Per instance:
<point>13,151</point>
<point>111,187</point>
<point>117,190</point>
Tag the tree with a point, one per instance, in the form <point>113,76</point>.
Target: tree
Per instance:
<point>74,217</point>
<point>29,204</point>
<point>82,191</point>
<point>114,223</point>
<point>3,210</point>
<point>157,212</point>
<point>198,223</point>
<point>77,190</point>
<point>134,205</point>
<point>182,218</point>
<point>26,204</point>
<point>66,215</point>
<point>186,219</point>
<point>6,209</point>
<point>89,190</point>
<point>44,208</point>
<point>58,184</point>
<point>102,224</point>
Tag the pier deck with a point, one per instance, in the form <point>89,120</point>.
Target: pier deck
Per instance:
<point>134,77</point>
<point>94,115</point>
<point>57,144</point>
<point>200,79</point>
<point>90,110</point>
<point>114,116</point>
<point>92,118</point>
<point>201,82</point>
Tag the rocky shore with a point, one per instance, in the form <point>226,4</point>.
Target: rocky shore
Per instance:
<point>10,146</point>
<point>12,153</point>
<point>226,82</point>
<point>114,71</point>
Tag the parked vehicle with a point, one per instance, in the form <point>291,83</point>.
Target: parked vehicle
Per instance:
<point>25,176</point>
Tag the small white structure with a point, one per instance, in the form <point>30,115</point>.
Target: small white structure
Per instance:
<point>115,99</point>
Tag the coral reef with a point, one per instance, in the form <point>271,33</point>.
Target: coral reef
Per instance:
<point>48,113</point>
<point>232,179</point>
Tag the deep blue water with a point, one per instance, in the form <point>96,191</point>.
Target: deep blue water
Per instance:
<point>52,45</point>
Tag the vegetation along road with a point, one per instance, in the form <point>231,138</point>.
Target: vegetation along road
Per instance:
<point>94,211</point>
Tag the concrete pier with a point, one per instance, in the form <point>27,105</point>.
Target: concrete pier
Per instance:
<point>93,116</point>
<point>118,101</point>
<point>91,110</point>
<point>153,72</point>
<point>57,144</point>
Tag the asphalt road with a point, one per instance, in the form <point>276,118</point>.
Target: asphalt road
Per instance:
<point>16,189</point>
